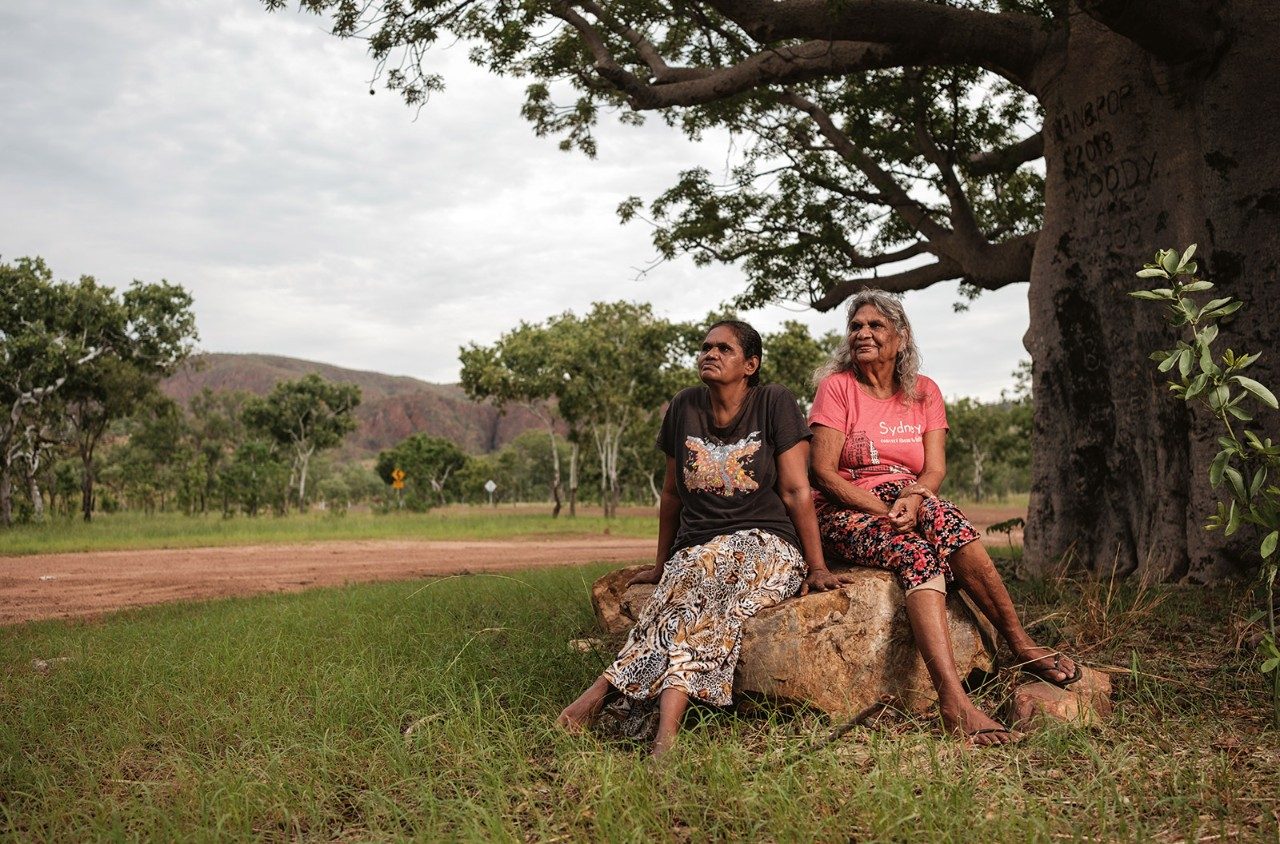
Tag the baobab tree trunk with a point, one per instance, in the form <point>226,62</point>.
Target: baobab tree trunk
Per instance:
<point>1142,155</point>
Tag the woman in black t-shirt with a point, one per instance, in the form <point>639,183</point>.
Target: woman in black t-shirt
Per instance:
<point>736,511</point>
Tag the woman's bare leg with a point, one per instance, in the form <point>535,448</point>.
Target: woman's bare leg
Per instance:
<point>975,572</point>
<point>671,707</point>
<point>927,612</point>
<point>582,712</point>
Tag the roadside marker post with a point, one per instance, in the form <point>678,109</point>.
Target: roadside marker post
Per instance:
<point>397,483</point>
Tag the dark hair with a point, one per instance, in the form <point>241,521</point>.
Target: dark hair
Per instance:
<point>748,339</point>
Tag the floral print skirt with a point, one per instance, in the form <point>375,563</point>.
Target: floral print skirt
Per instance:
<point>914,557</point>
<point>690,633</point>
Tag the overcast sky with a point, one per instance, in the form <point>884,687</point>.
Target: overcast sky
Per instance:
<point>240,154</point>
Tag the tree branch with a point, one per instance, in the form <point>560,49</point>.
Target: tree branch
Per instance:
<point>912,212</point>
<point>1007,158</point>
<point>962,220</point>
<point>662,72</point>
<point>692,86</point>
<point>1002,264</point>
<point>1171,30</point>
<point>913,279</point>
<point>927,33</point>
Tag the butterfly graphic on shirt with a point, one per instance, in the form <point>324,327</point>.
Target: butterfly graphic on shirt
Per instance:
<point>720,468</point>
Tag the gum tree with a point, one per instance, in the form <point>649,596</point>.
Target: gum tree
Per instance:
<point>73,357</point>
<point>513,371</point>
<point>303,417</point>
<point>892,142</point>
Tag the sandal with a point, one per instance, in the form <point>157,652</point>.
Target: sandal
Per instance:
<point>1043,674</point>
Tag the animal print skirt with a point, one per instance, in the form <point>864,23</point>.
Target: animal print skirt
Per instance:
<point>690,633</point>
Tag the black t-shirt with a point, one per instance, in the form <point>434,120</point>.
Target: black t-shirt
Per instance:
<point>726,476</point>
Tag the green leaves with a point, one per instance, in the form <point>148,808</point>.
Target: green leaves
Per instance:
<point>1218,467</point>
<point>1262,393</point>
<point>1245,461</point>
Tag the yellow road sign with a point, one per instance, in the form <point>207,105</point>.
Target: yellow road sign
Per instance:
<point>397,474</point>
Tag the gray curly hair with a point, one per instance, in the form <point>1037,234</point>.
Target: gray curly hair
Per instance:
<point>906,369</point>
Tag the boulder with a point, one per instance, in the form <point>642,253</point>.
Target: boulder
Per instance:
<point>1086,702</point>
<point>837,651</point>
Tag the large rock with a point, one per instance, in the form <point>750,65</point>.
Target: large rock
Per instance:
<point>838,651</point>
<point>1086,702</point>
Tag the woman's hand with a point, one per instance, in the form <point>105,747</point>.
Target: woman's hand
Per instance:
<point>650,575</point>
<point>902,515</point>
<point>823,580</point>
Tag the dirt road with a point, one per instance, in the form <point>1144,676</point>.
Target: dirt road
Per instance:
<point>78,585</point>
<point>89,584</point>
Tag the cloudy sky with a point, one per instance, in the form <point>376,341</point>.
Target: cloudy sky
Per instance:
<point>240,154</point>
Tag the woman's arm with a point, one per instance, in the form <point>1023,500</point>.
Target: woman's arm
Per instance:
<point>668,523</point>
<point>797,497</point>
<point>827,444</point>
<point>935,460</point>
<point>668,514</point>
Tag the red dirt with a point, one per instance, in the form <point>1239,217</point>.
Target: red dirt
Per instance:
<point>90,584</point>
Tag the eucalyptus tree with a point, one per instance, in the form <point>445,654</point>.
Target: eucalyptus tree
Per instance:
<point>302,417</point>
<point>892,142</point>
<point>36,356</point>
<point>216,428</point>
<point>514,370</point>
<point>75,350</point>
<point>427,462</point>
<point>616,366</point>
<point>791,354</point>
<point>143,335</point>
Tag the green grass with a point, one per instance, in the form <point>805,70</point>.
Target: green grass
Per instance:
<point>127,531</point>
<point>284,717</point>
<point>135,530</point>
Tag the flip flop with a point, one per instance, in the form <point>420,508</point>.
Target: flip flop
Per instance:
<point>1043,673</point>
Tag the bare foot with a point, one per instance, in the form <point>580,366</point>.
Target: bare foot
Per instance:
<point>582,713</point>
<point>1049,665</point>
<point>976,727</point>
<point>662,745</point>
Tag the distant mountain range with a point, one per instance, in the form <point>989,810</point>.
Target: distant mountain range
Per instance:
<point>391,407</point>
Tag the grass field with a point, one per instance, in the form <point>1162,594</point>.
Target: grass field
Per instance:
<point>126,531</point>
<point>285,717</point>
<point>120,531</point>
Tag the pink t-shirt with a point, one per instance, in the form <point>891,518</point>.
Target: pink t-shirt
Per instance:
<point>883,438</point>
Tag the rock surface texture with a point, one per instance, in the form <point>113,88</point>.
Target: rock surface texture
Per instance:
<point>838,651</point>
<point>1086,702</point>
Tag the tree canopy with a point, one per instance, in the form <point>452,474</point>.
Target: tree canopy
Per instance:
<point>428,464</point>
<point>74,356</point>
<point>888,143</point>
<point>304,416</point>
<point>874,132</point>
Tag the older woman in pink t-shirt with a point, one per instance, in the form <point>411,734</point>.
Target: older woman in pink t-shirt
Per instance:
<point>878,459</point>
